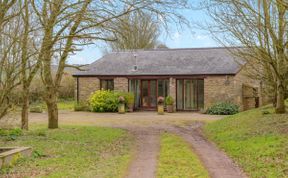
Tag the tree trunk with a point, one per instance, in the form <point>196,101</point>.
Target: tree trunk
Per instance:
<point>25,110</point>
<point>52,113</point>
<point>280,105</point>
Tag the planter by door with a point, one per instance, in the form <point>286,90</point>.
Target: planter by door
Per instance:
<point>170,108</point>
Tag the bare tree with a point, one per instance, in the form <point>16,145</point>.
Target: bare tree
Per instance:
<point>261,28</point>
<point>68,25</point>
<point>29,64</point>
<point>9,53</point>
<point>134,31</point>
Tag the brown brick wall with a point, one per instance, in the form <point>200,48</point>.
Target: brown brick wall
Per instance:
<point>87,85</point>
<point>121,84</point>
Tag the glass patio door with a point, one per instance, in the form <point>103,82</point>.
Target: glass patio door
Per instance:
<point>149,93</point>
<point>190,94</point>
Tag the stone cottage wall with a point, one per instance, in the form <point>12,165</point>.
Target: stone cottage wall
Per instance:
<point>243,81</point>
<point>219,89</point>
<point>87,85</point>
<point>230,89</point>
<point>121,84</point>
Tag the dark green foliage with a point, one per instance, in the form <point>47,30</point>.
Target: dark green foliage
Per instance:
<point>223,109</point>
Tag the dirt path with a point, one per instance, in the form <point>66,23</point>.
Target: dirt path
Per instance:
<point>218,164</point>
<point>145,161</point>
<point>146,126</point>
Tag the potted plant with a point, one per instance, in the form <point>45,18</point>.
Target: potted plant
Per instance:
<point>160,105</point>
<point>130,101</point>
<point>169,101</point>
<point>121,106</point>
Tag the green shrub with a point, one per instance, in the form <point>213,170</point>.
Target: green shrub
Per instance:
<point>223,109</point>
<point>129,98</point>
<point>169,100</point>
<point>82,106</point>
<point>104,101</point>
<point>108,101</point>
<point>36,109</point>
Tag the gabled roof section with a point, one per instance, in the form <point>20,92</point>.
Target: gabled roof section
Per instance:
<point>195,61</point>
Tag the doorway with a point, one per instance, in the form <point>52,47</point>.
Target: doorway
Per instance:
<point>149,93</point>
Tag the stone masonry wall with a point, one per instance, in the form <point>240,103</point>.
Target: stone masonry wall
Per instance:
<point>220,89</point>
<point>121,84</point>
<point>87,85</point>
<point>241,80</point>
<point>228,89</point>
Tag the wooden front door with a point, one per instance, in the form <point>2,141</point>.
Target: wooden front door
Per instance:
<point>149,93</point>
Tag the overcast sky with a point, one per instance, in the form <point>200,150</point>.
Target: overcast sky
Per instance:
<point>183,38</point>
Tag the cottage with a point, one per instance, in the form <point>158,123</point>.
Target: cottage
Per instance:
<point>196,78</point>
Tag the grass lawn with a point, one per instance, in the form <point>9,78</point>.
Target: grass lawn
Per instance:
<point>258,142</point>
<point>176,159</point>
<point>62,104</point>
<point>72,152</point>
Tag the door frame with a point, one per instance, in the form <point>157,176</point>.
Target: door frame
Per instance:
<point>149,92</point>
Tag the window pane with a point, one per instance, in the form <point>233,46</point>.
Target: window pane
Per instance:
<point>166,89</point>
<point>161,88</point>
<point>137,93</point>
<point>134,87</point>
<point>153,93</point>
<point>179,94</point>
<point>200,94</point>
<point>107,84</point>
<point>110,85</point>
<point>103,85</point>
<point>188,94</point>
<point>145,97</point>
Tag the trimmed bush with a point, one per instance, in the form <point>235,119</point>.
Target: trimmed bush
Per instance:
<point>108,101</point>
<point>104,101</point>
<point>223,109</point>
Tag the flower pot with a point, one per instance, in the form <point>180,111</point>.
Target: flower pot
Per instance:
<point>121,108</point>
<point>130,107</point>
<point>161,109</point>
<point>170,108</point>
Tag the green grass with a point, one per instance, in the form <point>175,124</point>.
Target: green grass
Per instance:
<point>177,159</point>
<point>67,104</point>
<point>258,142</point>
<point>72,152</point>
